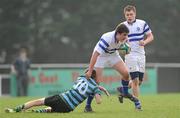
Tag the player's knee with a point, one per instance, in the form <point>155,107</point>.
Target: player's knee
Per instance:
<point>40,101</point>
<point>136,82</point>
<point>130,84</point>
<point>125,75</point>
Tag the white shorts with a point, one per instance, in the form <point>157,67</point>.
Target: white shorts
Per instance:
<point>107,61</point>
<point>135,63</point>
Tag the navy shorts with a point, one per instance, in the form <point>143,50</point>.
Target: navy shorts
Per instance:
<point>139,75</point>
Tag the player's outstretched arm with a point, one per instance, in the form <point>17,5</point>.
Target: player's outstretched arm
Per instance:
<point>98,98</point>
<point>92,63</point>
<point>104,90</point>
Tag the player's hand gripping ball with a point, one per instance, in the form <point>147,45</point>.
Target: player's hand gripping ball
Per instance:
<point>124,48</point>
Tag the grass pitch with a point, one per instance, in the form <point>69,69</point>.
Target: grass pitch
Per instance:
<point>154,106</point>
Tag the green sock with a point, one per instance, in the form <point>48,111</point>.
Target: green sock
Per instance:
<point>41,111</point>
<point>19,108</point>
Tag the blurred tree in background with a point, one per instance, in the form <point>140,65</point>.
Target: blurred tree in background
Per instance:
<point>66,31</point>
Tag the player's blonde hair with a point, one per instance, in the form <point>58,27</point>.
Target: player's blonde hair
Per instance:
<point>129,8</point>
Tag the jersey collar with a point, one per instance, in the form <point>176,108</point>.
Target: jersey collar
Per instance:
<point>132,22</point>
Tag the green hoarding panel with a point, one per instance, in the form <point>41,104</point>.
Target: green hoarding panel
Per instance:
<point>111,80</point>
<point>13,86</point>
<point>45,82</point>
<point>52,81</point>
<point>149,85</point>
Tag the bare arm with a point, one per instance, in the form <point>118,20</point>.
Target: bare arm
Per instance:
<point>98,98</point>
<point>104,90</point>
<point>149,39</point>
<point>92,63</point>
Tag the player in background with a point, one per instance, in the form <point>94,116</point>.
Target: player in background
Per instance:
<point>67,101</point>
<point>106,54</point>
<point>139,36</point>
<point>20,68</point>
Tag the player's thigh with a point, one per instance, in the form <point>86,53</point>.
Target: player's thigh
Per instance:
<point>113,60</point>
<point>99,72</point>
<point>100,62</point>
<point>41,101</point>
<point>135,82</point>
<point>132,63</point>
<point>122,69</point>
<point>142,63</point>
<point>36,102</point>
<point>57,104</point>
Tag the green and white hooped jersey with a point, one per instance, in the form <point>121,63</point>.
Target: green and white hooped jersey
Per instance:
<point>81,90</point>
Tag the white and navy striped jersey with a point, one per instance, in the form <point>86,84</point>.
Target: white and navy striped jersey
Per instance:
<point>81,90</point>
<point>137,31</point>
<point>107,45</point>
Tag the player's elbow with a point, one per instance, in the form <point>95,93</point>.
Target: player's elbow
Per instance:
<point>151,37</point>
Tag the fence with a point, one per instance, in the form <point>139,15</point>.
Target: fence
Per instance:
<point>167,74</point>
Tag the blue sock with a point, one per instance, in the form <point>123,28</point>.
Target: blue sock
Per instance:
<point>125,86</point>
<point>89,100</point>
<point>137,104</point>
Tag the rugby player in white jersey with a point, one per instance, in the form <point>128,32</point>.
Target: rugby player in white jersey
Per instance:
<point>105,54</point>
<point>139,36</point>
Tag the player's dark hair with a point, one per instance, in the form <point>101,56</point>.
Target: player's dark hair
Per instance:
<point>129,8</point>
<point>93,75</point>
<point>121,28</point>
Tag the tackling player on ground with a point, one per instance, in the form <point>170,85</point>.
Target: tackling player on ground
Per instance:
<point>106,54</point>
<point>139,36</point>
<point>67,101</point>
